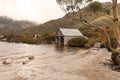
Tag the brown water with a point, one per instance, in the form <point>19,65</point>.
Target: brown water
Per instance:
<point>53,63</point>
<point>44,57</point>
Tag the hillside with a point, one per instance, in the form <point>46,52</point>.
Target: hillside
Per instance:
<point>7,24</point>
<point>46,32</point>
<point>72,21</point>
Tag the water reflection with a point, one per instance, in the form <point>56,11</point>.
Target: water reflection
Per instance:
<point>66,49</point>
<point>59,48</point>
<point>20,48</point>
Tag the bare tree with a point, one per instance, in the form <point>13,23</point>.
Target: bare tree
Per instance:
<point>72,5</point>
<point>116,52</point>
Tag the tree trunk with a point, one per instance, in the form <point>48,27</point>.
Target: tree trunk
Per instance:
<point>116,53</point>
<point>115,23</point>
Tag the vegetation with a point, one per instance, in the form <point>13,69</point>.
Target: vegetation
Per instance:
<point>72,5</point>
<point>7,24</point>
<point>22,39</point>
<point>112,43</point>
<point>103,27</point>
<point>30,38</point>
<point>114,29</point>
<point>96,7</point>
<point>78,42</point>
<point>69,21</point>
<point>47,37</point>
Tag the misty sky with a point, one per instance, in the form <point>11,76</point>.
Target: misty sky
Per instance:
<point>34,10</point>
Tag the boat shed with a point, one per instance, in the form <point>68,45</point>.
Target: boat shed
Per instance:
<point>63,35</point>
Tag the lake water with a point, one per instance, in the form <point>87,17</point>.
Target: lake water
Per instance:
<point>20,48</point>
<point>53,63</point>
<point>45,56</point>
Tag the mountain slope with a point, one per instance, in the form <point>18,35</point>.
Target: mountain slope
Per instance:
<point>72,21</point>
<point>7,24</point>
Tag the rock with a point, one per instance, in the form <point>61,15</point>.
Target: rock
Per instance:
<point>8,61</point>
<point>31,57</point>
<point>98,45</point>
<point>117,68</point>
<point>116,58</point>
<point>24,63</point>
<point>28,60</point>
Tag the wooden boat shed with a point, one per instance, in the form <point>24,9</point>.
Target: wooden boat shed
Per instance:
<point>63,35</point>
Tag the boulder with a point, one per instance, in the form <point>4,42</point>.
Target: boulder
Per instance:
<point>98,45</point>
<point>24,63</point>
<point>31,57</point>
<point>7,61</point>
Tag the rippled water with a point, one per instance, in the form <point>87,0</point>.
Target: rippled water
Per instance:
<point>11,48</point>
<point>19,48</point>
<point>52,62</point>
<point>45,56</point>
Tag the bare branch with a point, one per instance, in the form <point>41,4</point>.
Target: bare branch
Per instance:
<point>108,39</point>
<point>107,25</point>
<point>105,32</point>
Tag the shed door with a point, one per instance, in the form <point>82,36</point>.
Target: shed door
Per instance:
<point>62,40</point>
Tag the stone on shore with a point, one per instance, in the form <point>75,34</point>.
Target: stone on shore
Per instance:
<point>7,61</point>
<point>31,57</point>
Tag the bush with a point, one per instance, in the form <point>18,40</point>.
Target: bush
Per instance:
<point>87,45</point>
<point>23,39</point>
<point>92,41</point>
<point>113,44</point>
<point>47,38</point>
<point>96,6</point>
<point>106,11</point>
<point>77,42</point>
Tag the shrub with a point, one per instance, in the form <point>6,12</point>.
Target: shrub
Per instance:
<point>47,38</point>
<point>106,11</point>
<point>23,39</point>
<point>96,6</point>
<point>92,41</point>
<point>77,42</point>
<point>87,45</point>
<point>113,44</point>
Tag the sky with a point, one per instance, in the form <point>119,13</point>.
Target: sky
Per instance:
<point>39,11</point>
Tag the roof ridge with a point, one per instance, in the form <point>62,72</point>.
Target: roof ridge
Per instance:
<point>68,28</point>
<point>70,32</point>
